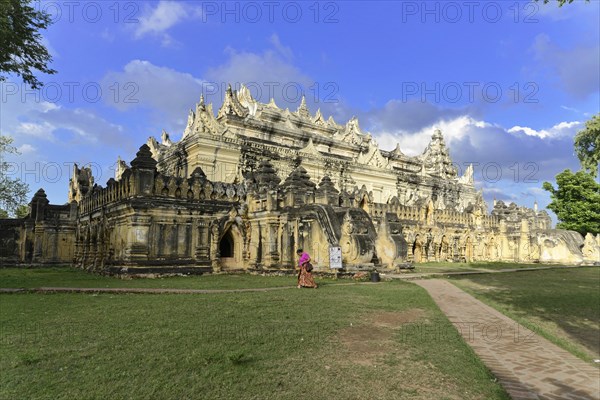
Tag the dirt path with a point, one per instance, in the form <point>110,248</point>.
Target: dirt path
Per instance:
<point>160,290</point>
<point>526,364</point>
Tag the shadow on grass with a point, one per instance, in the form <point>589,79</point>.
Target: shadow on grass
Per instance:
<point>570,299</point>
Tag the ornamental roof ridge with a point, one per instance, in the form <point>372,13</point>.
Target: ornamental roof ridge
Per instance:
<point>303,110</point>
<point>246,100</point>
<point>232,106</point>
<point>319,120</point>
<point>310,148</point>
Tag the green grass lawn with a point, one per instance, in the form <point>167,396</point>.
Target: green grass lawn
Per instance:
<point>73,277</point>
<point>561,305</point>
<point>384,341</point>
<point>473,266</point>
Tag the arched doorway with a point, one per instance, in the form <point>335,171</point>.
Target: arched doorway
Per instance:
<point>227,250</point>
<point>417,250</point>
<point>468,249</point>
<point>226,245</point>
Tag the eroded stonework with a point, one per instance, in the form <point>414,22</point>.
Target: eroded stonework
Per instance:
<point>245,189</point>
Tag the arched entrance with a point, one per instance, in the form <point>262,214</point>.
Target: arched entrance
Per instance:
<point>468,249</point>
<point>417,250</point>
<point>226,248</point>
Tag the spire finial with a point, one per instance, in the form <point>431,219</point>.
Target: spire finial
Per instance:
<point>303,109</point>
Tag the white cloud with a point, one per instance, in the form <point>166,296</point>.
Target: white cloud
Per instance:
<point>413,144</point>
<point>52,125</point>
<point>26,148</point>
<point>521,160</point>
<point>38,130</point>
<point>577,68</point>
<point>14,122</point>
<point>570,109</point>
<point>267,74</point>
<point>285,51</point>
<point>562,129</point>
<point>168,93</point>
<point>157,21</point>
<point>51,49</point>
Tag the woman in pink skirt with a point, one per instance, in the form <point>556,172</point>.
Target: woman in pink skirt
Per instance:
<point>305,278</point>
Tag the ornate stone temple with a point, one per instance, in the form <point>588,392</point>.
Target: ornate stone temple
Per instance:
<point>243,189</point>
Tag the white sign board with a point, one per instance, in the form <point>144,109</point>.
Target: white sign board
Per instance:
<point>335,257</point>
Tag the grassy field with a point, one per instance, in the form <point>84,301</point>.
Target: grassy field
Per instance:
<point>383,341</point>
<point>473,266</point>
<point>73,277</point>
<point>561,305</point>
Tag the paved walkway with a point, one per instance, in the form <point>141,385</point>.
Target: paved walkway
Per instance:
<point>478,271</point>
<point>527,365</point>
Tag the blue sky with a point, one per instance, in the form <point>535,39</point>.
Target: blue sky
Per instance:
<point>509,83</point>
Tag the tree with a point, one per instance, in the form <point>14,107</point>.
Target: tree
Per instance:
<point>587,145</point>
<point>561,2</point>
<point>21,49</point>
<point>22,211</point>
<point>576,201</point>
<point>13,192</point>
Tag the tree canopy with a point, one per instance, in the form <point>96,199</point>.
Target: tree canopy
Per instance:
<point>21,48</point>
<point>576,201</point>
<point>561,2</point>
<point>587,145</point>
<point>13,192</point>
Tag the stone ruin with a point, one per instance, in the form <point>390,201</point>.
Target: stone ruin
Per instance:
<point>244,189</point>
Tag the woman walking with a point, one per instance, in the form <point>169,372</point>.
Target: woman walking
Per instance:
<point>305,278</point>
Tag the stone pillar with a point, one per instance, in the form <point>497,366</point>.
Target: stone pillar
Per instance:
<point>255,239</point>
<point>504,247</point>
<point>272,254</point>
<point>271,203</point>
<point>203,244</point>
<point>137,248</point>
<point>286,247</point>
<point>215,256</point>
<point>143,167</point>
<point>38,210</point>
<point>38,242</point>
<point>524,245</point>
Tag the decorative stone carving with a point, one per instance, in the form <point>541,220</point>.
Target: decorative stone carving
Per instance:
<point>591,249</point>
<point>231,106</point>
<point>238,191</point>
<point>166,140</point>
<point>467,178</point>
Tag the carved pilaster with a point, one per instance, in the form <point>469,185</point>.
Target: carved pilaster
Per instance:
<point>137,239</point>
<point>215,256</point>
<point>203,244</point>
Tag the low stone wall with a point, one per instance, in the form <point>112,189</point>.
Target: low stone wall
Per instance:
<point>10,243</point>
